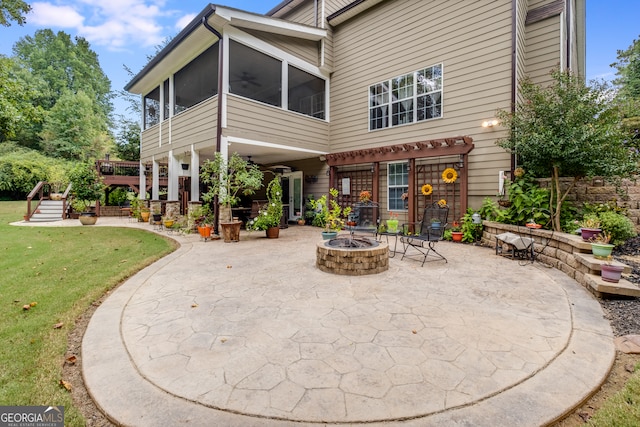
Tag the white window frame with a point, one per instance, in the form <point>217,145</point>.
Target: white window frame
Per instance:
<point>409,96</point>
<point>404,186</point>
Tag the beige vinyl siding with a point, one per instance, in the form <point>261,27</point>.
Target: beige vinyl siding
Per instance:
<point>521,42</point>
<point>473,42</point>
<point>196,125</point>
<point>149,141</point>
<point>543,49</point>
<point>307,50</point>
<point>261,122</point>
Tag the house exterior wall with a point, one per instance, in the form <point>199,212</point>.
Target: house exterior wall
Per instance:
<point>543,49</point>
<point>306,50</point>
<point>274,125</point>
<point>196,126</point>
<point>476,75</point>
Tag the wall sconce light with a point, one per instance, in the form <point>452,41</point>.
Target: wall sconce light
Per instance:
<point>408,167</point>
<point>328,170</point>
<point>489,123</point>
<point>373,168</point>
<point>461,161</point>
<point>185,166</point>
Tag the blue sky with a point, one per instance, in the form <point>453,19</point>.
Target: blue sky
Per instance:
<point>126,31</point>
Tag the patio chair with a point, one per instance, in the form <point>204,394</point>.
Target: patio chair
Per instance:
<point>424,235</point>
<point>364,218</point>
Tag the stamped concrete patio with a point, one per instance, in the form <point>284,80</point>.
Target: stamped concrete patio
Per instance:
<point>252,333</point>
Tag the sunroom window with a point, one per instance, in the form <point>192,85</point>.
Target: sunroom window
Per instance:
<point>408,98</point>
<point>196,81</point>
<point>152,108</point>
<point>254,75</point>
<point>306,93</point>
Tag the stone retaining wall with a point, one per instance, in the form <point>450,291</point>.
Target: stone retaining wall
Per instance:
<point>598,190</point>
<point>566,252</point>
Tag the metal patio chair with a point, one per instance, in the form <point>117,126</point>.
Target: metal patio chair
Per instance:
<point>421,237</point>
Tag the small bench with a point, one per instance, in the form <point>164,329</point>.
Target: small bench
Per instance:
<point>514,245</point>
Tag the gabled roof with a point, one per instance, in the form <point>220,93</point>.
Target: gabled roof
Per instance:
<point>349,11</point>
<point>194,38</point>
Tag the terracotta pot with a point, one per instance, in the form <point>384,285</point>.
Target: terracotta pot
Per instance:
<point>204,231</point>
<point>145,216</point>
<point>231,231</point>
<point>456,236</point>
<point>273,232</point>
<point>611,273</point>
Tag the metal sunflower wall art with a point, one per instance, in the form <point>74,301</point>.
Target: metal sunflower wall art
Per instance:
<point>449,175</point>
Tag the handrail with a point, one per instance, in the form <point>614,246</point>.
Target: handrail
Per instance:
<point>65,195</point>
<point>38,189</point>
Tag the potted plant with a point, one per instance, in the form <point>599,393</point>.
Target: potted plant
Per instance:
<point>301,221</point>
<point>456,232</point>
<point>365,196</point>
<point>589,226</point>
<point>610,272</point>
<point>331,213</point>
<point>227,179</point>
<point>392,222</point>
<point>269,215</point>
<point>201,218</point>
<point>57,177</point>
<point>86,188</point>
<point>145,213</point>
<point>435,223</point>
<point>157,215</point>
<point>600,246</point>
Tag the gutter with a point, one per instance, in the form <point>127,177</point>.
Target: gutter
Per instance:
<point>216,209</point>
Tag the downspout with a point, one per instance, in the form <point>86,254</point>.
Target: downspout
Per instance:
<point>514,63</point>
<point>216,205</point>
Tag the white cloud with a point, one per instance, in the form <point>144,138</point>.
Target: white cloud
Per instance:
<point>115,24</point>
<point>50,15</point>
<point>186,19</point>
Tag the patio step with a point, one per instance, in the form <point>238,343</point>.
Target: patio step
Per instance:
<point>600,287</point>
<point>48,210</point>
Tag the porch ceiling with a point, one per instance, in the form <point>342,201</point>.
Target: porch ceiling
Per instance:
<point>263,153</point>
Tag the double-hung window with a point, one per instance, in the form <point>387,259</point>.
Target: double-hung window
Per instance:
<point>397,184</point>
<point>408,98</point>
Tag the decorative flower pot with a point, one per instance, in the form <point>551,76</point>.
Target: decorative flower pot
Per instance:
<point>456,236</point>
<point>327,235</point>
<point>204,231</point>
<point>588,233</point>
<point>273,232</point>
<point>88,218</point>
<point>436,225</point>
<point>611,273</point>
<point>145,216</point>
<point>168,223</point>
<point>392,225</point>
<point>601,250</point>
<point>231,231</point>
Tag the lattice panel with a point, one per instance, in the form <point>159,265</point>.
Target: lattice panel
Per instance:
<point>360,180</point>
<point>431,173</point>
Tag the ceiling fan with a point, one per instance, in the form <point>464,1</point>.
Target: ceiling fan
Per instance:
<point>245,79</point>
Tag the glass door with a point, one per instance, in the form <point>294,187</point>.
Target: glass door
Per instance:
<point>292,198</point>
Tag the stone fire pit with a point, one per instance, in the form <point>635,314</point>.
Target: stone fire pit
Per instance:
<point>352,256</point>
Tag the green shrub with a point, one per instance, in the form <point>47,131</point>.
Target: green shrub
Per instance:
<point>619,226</point>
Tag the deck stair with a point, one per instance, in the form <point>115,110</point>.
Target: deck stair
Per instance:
<point>48,210</point>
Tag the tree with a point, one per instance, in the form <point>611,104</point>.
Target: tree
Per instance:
<point>567,129</point>
<point>16,110</point>
<point>628,66</point>
<point>628,81</point>
<point>66,66</point>
<point>72,130</point>
<point>13,10</point>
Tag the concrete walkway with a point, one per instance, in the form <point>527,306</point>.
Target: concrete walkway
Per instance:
<point>252,334</point>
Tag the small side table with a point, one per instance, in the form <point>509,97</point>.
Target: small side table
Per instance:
<point>395,234</point>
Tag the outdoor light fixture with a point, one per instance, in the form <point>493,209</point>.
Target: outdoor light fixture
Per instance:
<point>461,161</point>
<point>372,168</point>
<point>185,166</point>
<point>489,123</point>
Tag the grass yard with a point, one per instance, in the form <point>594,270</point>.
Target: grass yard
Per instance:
<point>59,271</point>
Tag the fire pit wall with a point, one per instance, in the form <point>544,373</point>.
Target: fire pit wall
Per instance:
<point>352,261</point>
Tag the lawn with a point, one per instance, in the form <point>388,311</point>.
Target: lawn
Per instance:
<point>57,272</point>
